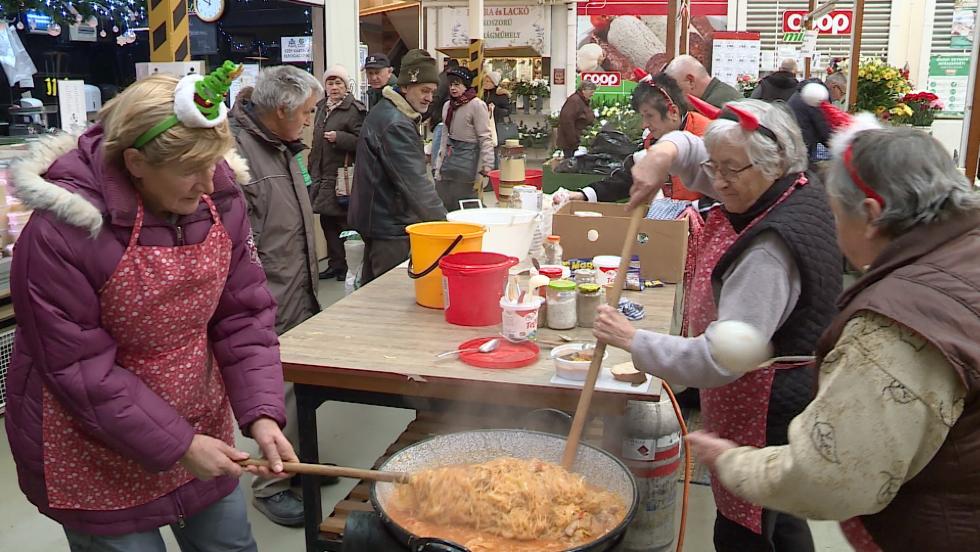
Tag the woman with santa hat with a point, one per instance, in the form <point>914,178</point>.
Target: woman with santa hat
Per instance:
<point>889,445</point>
<point>768,259</point>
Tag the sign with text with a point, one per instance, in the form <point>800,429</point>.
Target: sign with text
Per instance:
<point>297,49</point>
<point>735,54</point>
<point>603,78</point>
<point>837,22</point>
<point>71,105</point>
<point>504,27</point>
<point>949,78</point>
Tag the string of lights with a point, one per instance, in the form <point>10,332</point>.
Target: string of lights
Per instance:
<point>124,13</point>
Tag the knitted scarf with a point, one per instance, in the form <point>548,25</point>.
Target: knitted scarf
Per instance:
<point>456,103</point>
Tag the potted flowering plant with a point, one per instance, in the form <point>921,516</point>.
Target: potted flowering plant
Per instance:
<point>746,85</point>
<point>880,87</point>
<point>540,89</point>
<point>621,116</point>
<point>920,108</point>
<point>523,89</point>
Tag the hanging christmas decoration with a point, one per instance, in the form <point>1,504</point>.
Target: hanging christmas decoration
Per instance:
<point>68,12</point>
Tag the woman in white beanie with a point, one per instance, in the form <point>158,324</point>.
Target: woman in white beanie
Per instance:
<point>338,124</point>
<point>497,99</point>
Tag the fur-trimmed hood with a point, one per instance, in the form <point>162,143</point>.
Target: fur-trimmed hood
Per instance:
<point>64,174</point>
<point>401,104</point>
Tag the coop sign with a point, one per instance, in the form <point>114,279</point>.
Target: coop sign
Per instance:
<point>837,22</point>
<point>603,78</point>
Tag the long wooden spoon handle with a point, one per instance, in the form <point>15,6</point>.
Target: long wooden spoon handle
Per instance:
<point>585,399</point>
<point>333,471</point>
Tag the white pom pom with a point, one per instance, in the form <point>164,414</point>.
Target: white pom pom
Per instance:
<point>736,346</point>
<point>842,138</point>
<point>814,94</point>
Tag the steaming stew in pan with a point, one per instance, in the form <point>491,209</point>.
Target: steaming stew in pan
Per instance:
<point>506,505</point>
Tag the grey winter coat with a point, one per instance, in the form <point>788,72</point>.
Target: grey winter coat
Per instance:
<point>282,218</point>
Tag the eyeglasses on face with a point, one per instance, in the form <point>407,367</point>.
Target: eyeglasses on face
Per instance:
<point>724,173</point>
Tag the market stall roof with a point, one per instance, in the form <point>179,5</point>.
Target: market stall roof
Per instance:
<point>462,52</point>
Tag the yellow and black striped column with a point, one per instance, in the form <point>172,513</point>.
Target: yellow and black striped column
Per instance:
<point>169,31</point>
<point>475,63</point>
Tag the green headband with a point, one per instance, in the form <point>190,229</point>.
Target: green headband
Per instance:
<point>198,102</point>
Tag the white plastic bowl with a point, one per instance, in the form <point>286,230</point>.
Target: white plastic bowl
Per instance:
<point>575,370</point>
<point>509,231</point>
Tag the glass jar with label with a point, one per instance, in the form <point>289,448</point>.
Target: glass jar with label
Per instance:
<point>590,297</point>
<point>585,276</point>
<point>561,305</point>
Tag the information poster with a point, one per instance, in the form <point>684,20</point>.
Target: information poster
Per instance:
<point>735,54</point>
<point>964,21</point>
<point>250,73</point>
<point>71,105</point>
<point>949,77</point>
<point>297,49</point>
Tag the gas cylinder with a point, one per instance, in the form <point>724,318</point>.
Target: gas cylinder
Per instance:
<point>652,450</point>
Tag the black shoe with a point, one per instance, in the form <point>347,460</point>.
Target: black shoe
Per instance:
<point>327,274</point>
<point>341,275</point>
<point>283,508</point>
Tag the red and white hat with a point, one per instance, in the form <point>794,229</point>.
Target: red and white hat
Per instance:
<point>845,127</point>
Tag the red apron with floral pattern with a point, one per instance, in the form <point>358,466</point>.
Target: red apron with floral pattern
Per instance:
<point>156,305</point>
<point>736,411</point>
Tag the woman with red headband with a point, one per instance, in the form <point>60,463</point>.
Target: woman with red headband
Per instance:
<point>768,259</point>
<point>664,109</point>
<point>889,446</point>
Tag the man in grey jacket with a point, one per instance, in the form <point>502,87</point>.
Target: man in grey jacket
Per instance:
<point>392,189</point>
<point>268,130</point>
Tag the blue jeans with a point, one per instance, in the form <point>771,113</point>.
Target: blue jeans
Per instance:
<point>221,527</point>
<point>437,143</point>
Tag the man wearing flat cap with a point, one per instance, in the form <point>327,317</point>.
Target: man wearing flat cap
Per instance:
<point>392,188</point>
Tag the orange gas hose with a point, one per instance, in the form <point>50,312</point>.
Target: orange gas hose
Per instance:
<point>688,467</point>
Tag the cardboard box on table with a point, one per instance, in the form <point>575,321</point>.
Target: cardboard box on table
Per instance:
<point>661,244</point>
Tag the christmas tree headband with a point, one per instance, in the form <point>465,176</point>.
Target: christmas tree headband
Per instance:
<point>198,102</point>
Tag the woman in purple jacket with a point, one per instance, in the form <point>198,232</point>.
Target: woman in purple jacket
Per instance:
<point>144,321</point>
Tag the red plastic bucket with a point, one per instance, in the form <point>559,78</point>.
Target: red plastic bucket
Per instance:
<point>473,284</point>
<point>532,177</point>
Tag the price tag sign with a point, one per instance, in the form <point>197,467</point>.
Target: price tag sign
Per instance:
<point>810,43</point>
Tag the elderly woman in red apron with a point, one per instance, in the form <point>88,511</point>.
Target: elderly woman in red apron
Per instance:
<point>769,259</point>
<point>889,444</point>
<point>144,322</point>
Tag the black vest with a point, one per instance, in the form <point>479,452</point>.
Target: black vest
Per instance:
<point>806,224</point>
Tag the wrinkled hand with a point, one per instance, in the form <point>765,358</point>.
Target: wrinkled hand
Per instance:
<point>707,447</point>
<point>208,458</point>
<point>331,136</point>
<point>613,328</point>
<point>274,446</point>
<point>649,175</point>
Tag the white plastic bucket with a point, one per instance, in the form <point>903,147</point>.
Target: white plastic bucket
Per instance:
<point>520,321</point>
<point>509,231</point>
<point>606,267</point>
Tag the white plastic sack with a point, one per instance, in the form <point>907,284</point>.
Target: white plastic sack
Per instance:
<point>17,63</point>
<point>355,264</point>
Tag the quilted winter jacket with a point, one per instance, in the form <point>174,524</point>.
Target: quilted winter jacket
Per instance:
<point>84,212</point>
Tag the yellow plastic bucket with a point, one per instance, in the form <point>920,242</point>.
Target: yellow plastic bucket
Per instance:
<point>431,241</point>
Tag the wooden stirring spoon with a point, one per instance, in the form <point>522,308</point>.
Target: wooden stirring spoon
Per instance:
<point>333,471</point>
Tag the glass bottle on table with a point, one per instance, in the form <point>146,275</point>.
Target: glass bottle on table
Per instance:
<point>553,253</point>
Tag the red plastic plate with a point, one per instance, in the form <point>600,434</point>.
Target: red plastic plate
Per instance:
<point>507,355</point>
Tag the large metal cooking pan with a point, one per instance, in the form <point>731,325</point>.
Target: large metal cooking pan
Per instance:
<point>471,447</point>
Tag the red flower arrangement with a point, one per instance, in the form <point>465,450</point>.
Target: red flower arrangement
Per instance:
<point>924,106</point>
